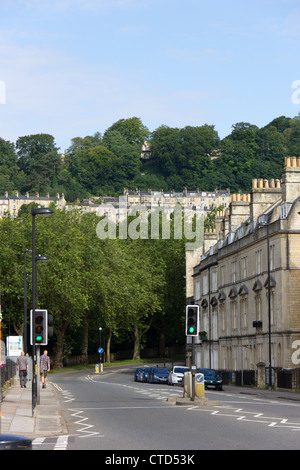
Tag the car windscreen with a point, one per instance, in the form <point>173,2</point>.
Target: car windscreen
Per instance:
<point>208,372</point>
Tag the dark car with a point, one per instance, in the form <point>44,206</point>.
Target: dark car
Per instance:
<point>159,375</point>
<point>211,378</point>
<point>137,373</point>
<point>146,374</point>
<point>140,374</point>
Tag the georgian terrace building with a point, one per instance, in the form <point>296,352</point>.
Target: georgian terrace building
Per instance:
<point>228,279</point>
<point>12,203</point>
<point>103,206</point>
<point>201,200</point>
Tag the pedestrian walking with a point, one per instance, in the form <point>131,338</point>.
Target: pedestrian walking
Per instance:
<point>22,367</point>
<point>44,368</point>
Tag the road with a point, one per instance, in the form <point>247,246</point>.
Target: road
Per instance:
<point>111,412</point>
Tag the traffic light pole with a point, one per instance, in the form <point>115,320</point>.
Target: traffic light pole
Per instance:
<point>193,369</point>
<point>38,359</point>
<point>34,377</point>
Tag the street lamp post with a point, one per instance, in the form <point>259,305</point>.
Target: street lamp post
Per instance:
<point>37,211</point>
<point>38,352</point>
<point>264,221</point>
<point>25,302</point>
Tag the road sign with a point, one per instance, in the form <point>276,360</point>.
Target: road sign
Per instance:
<point>100,350</point>
<point>200,385</point>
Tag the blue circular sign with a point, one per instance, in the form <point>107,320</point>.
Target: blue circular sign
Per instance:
<point>199,378</point>
<point>100,350</point>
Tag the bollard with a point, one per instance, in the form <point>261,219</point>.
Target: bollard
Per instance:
<point>97,369</point>
<point>199,381</point>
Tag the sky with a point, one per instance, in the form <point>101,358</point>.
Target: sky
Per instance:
<point>71,68</point>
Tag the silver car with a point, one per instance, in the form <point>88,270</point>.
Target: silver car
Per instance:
<point>176,375</point>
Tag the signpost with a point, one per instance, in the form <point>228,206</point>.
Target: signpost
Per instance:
<point>100,351</point>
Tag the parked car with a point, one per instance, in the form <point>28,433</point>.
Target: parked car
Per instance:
<point>176,375</point>
<point>211,378</point>
<point>140,375</point>
<point>136,374</point>
<point>146,374</point>
<point>159,375</point>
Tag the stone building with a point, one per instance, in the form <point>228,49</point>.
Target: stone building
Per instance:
<point>200,200</point>
<point>12,203</point>
<point>249,301</point>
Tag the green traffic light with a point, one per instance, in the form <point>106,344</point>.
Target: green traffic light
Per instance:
<point>191,329</point>
<point>38,339</point>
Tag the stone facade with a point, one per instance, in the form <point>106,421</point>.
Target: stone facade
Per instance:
<point>200,200</point>
<point>12,203</point>
<point>231,282</point>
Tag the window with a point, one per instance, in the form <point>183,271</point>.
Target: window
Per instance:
<point>214,281</point>
<point>272,306</point>
<point>197,290</point>
<point>234,315</point>
<point>222,316</point>
<point>244,306</point>
<point>234,271</point>
<point>222,275</point>
<point>285,209</point>
<point>244,267</point>
<point>205,284</point>
<point>258,307</point>
<point>258,260</point>
<point>272,257</point>
<point>215,324</point>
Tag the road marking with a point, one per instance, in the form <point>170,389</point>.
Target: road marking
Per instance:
<point>61,443</point>
<point>38,441</point>
<point>86,427</point>
<point>56,386</point>
<point>270,421</point>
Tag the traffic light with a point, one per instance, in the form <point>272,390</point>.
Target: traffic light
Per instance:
<point>39,327</point>
<point>192,320</point>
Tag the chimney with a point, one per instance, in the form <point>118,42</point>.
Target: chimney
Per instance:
<point>239,209</point>
<point>263,195</point>
<point>291,179</point>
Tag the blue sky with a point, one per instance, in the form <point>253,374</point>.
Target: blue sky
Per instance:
<point>74,67</point>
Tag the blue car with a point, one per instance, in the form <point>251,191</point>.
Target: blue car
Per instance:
<point>159,375</point>
<point>146,375</point>
<point>137,372</point>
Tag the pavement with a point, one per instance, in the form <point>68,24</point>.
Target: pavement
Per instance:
<point>279,394</point>
<point>18,418</point>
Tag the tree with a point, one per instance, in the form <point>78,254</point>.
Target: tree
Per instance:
<point>38,158</point>
<point>10,176</point>
<point>61,281</point>
<point>128,154</point>
<point>32,147</point>
<point>132,129</point>
<point>97,170</point>
<point>15,238</point>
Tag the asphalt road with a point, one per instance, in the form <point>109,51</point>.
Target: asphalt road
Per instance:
<point>111,412</point>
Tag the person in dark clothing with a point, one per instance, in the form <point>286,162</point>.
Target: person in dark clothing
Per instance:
<point>22,367</point>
